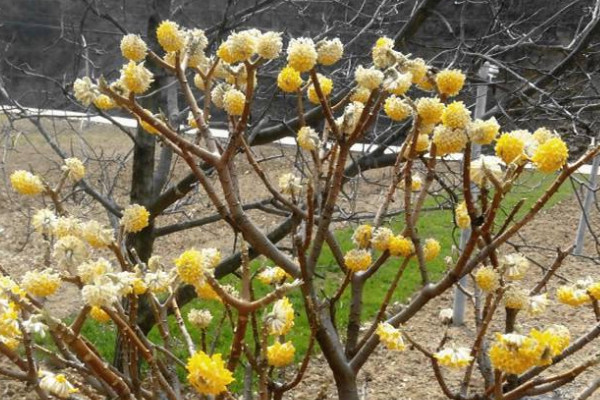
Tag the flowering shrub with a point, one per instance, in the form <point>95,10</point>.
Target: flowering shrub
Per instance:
<point>397,86</point>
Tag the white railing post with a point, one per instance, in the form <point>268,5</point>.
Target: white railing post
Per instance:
<point>487,73</point>
<point>587,203</point>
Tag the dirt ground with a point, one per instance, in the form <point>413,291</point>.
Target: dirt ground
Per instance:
<point>387,375</point>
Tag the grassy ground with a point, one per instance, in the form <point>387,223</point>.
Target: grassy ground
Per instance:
<point>437,224</point>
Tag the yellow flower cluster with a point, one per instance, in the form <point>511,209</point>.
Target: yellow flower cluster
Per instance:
<point>418,69</point>
<point>510,148</point>
<point>85,91</point>
<point>74,168</point>
<point>369,78</point>
<point>397,83</point>
<point>308,138</point>
<point>170,36</point>
<point>191,267</point>
<point>454,357</point>
<point>70,251</point>
<point>90,271</point>
<point>290,184</point>
<point>329,51</point>
<point>269,45</point>
<point>550,155</point>
<point>573,296</point>
<point>208,374</point>
<point>456,115</point>
<point>542,135</point>
<point>383,53</point>
<point>289,80</point>
<point>302,54</point>
<point>487,279</point>
<point>41,283</point>
<point>360,95</point>
<point>483,132</point>
<point>65,226</point>
<point>44,221</point>
<point>358,260</point>
<point>381,238</point>
<point>390,337</point>
<point>133,47</point>
<point>103,102</point>
<point>96,235</point>
<point>515,266</point>
<point>480,166</point>
<point>396,108</point>
<point>234,101</point>
<point>516,298</point>
<point>99,315</point>
<point>450,81</point>
<point>448,140</point>
<point>206,292</point>
<point>136,77</point>
<point>26,183</point>
<point>200,318</point>
<point>461,216</point>
<point>135,218</point>
<point>431,249</point>
<point>430,110</point>
<point>281,320</point>
<point>362,236</point>
<point>401,246</point>
<point>280,354</point>
<point>326,86</point>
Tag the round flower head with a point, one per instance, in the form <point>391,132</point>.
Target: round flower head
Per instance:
<point>57,385</point>
<point>41,283</point>
<point>483,132</point>
<point>431,249</point>
<point>289,80</point>
<point>416,183</point>
<point>103,102</point>
<point>516,298</point>
<point>90,271</point>
<point>450,81</point>
<point>26,183</point>
<point>135,218</point>
<point>308,138</point>
<point>326,86</point>
<point>573,296</point>
<point>461,215</point>
<point>381,238</point>
<point>369,78</point>
<point>417,68</point>
<point>397,83</point>
<point>456,115</point>
<point>191,267</point>
<point>329,51</point>
<point>200,318</point>
<point>100,294</point>
<point>242,45</point>
<point>65,226</point>
<point>383,52</point>
<point>269,45</point>
<point>551,155</point>
<point>218,93</point>
<point>225,54</point>
<point>206,292</point>
<point>396,108</point>
<point>75,169</point>
<point>195,44</point>
<point>357,260</point>
<point>281,320</point>
<point>133,47</point>
<point>302,54</point>
<point>136,77</point>
<point>542,135</point>
<point>448,140</point>
<point>274,275</point>
<point>454,357</point>
<point>401,246</point>
<point>422,145</point>
<point>158,281</point>
<point>290,184</point>
<point>208,374</point>
<point>487,279</point>
<point>348,122</point>
<point>44,221</point>
<point>537,304</point>
<point>481,167</point>
<point>362,236</point>
<point>234,101</point>
<point>550,343</point>
<point>85,91</point>
<point>280,354</point>
<point>390,337</point>
<point>514,354</point>
<point>360,94</point>
<point>430,110</point>
<point>510,148</point>
<point>70,251</point>
<point>169,36</point>
<point>515,266</point>
<point>199,82</point>
<point>99,315</point>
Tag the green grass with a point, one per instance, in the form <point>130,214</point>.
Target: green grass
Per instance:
<point>437,224</point>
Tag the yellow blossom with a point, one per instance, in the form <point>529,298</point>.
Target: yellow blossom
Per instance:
<point>206,292</point>
<point>191,267</point>
<point>290,184</point>
<point>537,304</point>
<point>396,108</point>
<point>272,275</point>
<point>308,138</point>
<point>302,54</point>
<point>44,221</point>
<point>431,249</point>
<point>573,296</point>
<point>450,81</point>
<point>381,238</point>
<point>483,165</point>
<point>200,318</point>
<point>85,90</point>
<point>329,51</point>
<point>269,45</point>
<point>542,135</point>
<point>289,80</point>
<point>133,47</point>
<point>135,218</point>
<point>487,279</point>
<point>360,94</point>
<point>90,271</point>
<point>362,236</point>
<point>390,337</point>
<point>357,260</point>
<point>103,102</point>
<point>401,246</point>
<point>280,354</point>
<point>136,77</point>
<point>99,315</point>
<point>510,148</point>
<point>208,374</point>
<point>348,122</point>
<point>515,266</point>
<point>41,283</point>
<point>483,132</point>
<point>516,298</point>
<point>551,155</point>
<point>369,78</point>
<point>454,357</point>
<point>234,102</point>
<point>461,216</point>
<point>456,115</point>
<point>513,353</point>
<point>70,251</point>
<point>57,385</point>
<point>169,36</point>
<point>417,68</point>
<point>383,52</point>
<point>448,140</point>
<point>26,183</point>
<point>64,226</point>
<point>326,86</point>
<point>430,110</point>
<point>397,83</point>
<point>281,319</point>
<point>75,169</point>
<point>242,45</point>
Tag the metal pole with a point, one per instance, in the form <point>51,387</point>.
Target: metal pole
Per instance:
<point>587,203</point>
<point>486,72</point>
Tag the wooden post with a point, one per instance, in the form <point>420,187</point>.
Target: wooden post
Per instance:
<point>487,73</point>
<point>584,222</point>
